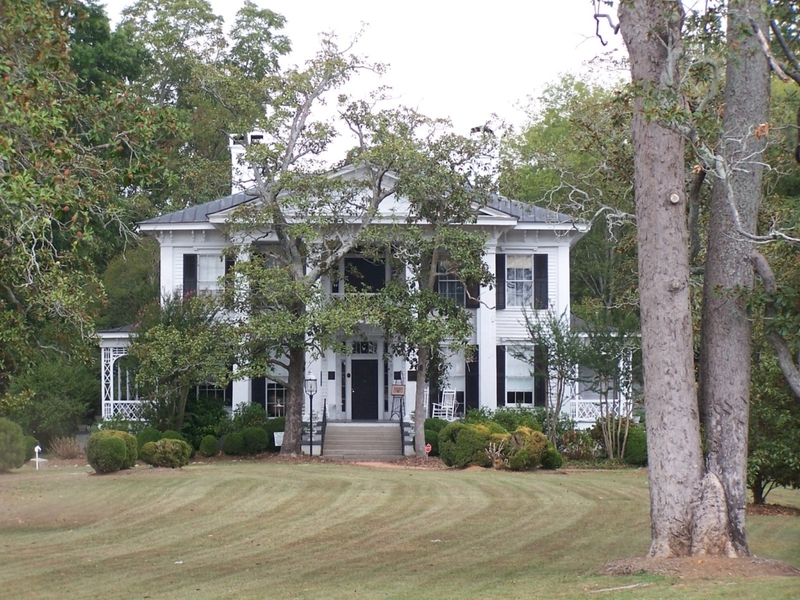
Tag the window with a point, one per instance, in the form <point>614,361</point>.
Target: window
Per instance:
<point>365,348</point>
<point>276,399</point>
<point>526,281</point>
<point>449,286</point>
<point>524,383</point>
<point>364,275</point>
<point>209,270</point>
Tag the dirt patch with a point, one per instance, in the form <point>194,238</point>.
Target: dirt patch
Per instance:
<point>772,509</point>
<point>408,462</point>
<point>701,567</point>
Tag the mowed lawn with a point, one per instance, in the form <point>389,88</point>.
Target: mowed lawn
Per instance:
<point>324,530</point>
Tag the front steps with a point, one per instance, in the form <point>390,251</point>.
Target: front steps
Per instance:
<point>362,441</point>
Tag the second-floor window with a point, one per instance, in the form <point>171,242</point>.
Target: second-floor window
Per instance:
<point>364,275</point>
<point>209,270</point>
<point>449,286</point>
<point>526,280</point>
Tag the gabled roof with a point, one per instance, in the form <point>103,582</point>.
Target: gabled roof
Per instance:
<point>201,212</point>
<point>527,213</point>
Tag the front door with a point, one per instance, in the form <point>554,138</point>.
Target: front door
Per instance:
<point>364,394</point>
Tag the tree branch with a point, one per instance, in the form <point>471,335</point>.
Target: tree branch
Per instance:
<point>789,369</point>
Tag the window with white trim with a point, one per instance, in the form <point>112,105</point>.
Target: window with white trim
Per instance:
<point>449,286</point>
<point>210,267</point>
<point>526,280</point>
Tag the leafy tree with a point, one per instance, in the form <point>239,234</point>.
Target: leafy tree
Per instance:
<point>67,161</point>
<point>774,440</point>
<point>563,350</point>
<point>182,345</point>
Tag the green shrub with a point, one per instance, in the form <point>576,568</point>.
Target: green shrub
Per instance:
<point>131,447</point>
<point>525,449</point>
<point>209,446</point>
<point>233,444</point>
<point>636,447</point>
<point>551,459</point>
<point>273,425</point>
<point>432,438</point>
<point>12,446</point>
<point>171,434</point>
<point>106,453</point>
<point>148,434</point>
<point>169,453</point>
<point>248,415</point>
<point>462,445</point>
<point>30,447</point>
<point>147,452</point>
<point>255,440</point>
<point>578,445</point>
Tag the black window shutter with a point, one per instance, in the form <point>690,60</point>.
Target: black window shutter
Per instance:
<point>539,375</point>
<point>472,383</point>
<point>540,294</point>
<point>229,262</point>
<point>189,274</point>
<point>473,296</point>
<point>500,277</point>
<point>258,391</point>
<point>501,376</point>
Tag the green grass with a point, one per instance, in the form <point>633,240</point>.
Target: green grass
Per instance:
<point>270,530</point>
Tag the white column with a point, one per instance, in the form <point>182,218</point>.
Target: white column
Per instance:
<point>241,390</point>
<point>562,280</point>
<point>486,336</point>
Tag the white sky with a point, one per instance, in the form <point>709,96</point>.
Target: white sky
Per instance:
<point>463,60</point>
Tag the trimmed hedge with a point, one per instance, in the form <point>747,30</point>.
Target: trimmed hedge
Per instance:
<point>171,434</point>
<point>167,453</point>
<point>233,444</point>
<point>209,446</point>
<point>551,459</point>
<point>255,440</point>
<point>147,452</point>
<point>525,449</point>
<point>106,453</point>
<point>462,445</point>
<point>636,447</point>
<point>131,446</point>
<point>148,434</point>
<point>12,445</point>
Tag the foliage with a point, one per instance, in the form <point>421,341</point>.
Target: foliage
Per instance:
<point>106,452</point>
<point>209,446</point>
<point>255,439</point>
<point>171,434</point>
<point>131,446</point>
<point>551,458</point>
<point>61,395</point>
<point>168,453</point>
<point>30,447</point>
<point>636,447</point>
<point>147,452</point>
<point>513,417</point>
<point>131,283</point>
<point>74,165</point>
<point>12,446</point>
<point>774,440</point>
<point>178,347</point>
<point>578,444</point>
<point>462,445</point>
<point>148,434</point>
<point>525,448</point>
<point>204,413</point>
<point>233,444</point>
<point>562,347</point>
<point>65,447</point>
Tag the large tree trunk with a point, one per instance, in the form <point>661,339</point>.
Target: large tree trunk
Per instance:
<point>652,32</point>
<point>726,331</point>
<point>293,434</point>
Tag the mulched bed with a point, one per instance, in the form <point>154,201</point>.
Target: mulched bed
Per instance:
<point>701,567</point>
<point>772,509</point>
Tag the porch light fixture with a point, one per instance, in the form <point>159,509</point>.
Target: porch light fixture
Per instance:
<point>311,389</point>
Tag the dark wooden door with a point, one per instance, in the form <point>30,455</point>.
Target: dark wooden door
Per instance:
<point>364,396</point>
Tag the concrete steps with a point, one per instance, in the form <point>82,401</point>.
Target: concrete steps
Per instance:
<point>357,442</point>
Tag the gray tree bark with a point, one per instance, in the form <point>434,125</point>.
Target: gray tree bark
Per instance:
<point>735,200</point>
<point>651,30</point>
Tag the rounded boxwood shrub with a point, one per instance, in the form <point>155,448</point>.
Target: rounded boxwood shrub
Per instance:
<point>106,453</point>
<point>525,449</point>
<point>171,453</point>
<point>131,446</point>
<point>636,447</point>
<point>462,445</point>
<point>147,452</point>
<point>209,445</point>
<point>148,434</point>
<point>12,445</point>
<point>432,438</point>
<point>233,444</point>
<point>171,434</point>
<point>30,447</point>
<point>551,459</point>
<point>271,426</point>
<point>255,440</point>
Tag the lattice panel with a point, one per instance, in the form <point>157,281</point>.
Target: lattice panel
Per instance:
<point>130,411</point>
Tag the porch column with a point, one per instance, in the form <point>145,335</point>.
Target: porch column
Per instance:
<point>486,336</point>
<point>241,390</point>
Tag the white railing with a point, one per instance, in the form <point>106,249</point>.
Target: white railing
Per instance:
<point>588,411</point>
<point>130,410</point>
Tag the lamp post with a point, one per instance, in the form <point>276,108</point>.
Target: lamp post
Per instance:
<point>311,389</point>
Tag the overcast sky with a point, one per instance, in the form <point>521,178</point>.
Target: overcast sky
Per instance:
<point>447,58</point>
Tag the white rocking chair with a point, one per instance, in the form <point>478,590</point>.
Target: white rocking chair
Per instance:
<point>446,408</point>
